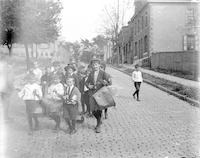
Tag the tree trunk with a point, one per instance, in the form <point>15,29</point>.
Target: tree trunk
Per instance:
<point>9,49</point>
<point>27,56</point>
<point>32,51</point>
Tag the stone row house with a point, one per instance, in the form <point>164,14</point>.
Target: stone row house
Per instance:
<point>159,26</point>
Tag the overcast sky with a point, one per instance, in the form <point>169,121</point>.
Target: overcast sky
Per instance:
<point>84,18</point>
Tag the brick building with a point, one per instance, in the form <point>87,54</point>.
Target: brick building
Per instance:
<point>159,26</point>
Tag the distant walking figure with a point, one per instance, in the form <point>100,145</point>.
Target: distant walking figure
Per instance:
<point>137,79</point>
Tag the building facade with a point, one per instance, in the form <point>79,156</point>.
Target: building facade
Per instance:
<point>160,26</point>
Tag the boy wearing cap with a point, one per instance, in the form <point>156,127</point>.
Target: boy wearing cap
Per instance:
<point>96,80</point>
<point>69,72</point>
<point>71,101</point>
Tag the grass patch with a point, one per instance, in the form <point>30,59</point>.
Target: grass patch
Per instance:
<point>180,74</point>
<point>191,92</point>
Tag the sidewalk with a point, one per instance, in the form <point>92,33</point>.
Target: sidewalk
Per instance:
<point>185,82</point>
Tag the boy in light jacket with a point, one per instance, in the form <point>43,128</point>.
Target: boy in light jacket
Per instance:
<point>137,79</point>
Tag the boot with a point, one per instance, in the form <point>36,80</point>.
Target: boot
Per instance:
<point>98,127</point>
<point>106,113</point>
<point>73,127</point>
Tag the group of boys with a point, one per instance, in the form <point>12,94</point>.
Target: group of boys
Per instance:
<point>67,90</point>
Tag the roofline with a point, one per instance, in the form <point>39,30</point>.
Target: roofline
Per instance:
<point>172,1</point>
<point>169,1</point>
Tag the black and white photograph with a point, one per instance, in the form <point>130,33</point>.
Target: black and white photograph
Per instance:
<point>99,79</point>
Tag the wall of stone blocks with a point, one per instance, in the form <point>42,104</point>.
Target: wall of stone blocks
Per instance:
<point>187,62</point>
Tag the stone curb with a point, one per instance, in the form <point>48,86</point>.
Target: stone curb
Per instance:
<point>182,97</point>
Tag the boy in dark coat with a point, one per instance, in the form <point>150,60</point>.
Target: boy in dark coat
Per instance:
<point>85,93</point>
<point>96,80</point>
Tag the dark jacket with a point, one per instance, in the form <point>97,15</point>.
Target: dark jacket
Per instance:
<point>46,78</point>
<point>101,78</point>
<point>82,84</point>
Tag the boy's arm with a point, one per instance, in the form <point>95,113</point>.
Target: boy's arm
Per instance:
<point>88,82</point>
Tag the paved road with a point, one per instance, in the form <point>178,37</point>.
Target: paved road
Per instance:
<point>160,126</point>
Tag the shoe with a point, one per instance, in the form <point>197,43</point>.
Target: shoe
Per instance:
<point>73,131</point>
<point>30,132</point>
<point>67,131</point>
<point>138,99</point>
<point>98,129</point>
<point>133,96</point>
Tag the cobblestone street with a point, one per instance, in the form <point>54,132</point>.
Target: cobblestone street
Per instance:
<point>159,126</point>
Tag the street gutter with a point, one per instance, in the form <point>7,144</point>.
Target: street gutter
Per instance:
<point>182,97</point>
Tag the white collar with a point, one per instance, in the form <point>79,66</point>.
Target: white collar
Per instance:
<point>71,87</point>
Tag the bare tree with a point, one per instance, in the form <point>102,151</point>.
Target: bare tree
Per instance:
<point>115,19</point>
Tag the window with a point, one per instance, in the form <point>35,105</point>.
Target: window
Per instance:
<point>190,16</point>
<point>129,46</point>
<point>135,28</point>
<point>145,44</point>
<point>190,42</point>
<point>138,25</point>
<point>136,49</point>
<point>142,22</point>
<point>139,49</point>
<point>146,19</point>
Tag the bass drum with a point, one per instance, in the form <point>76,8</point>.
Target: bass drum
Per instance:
<point>104,98</point>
